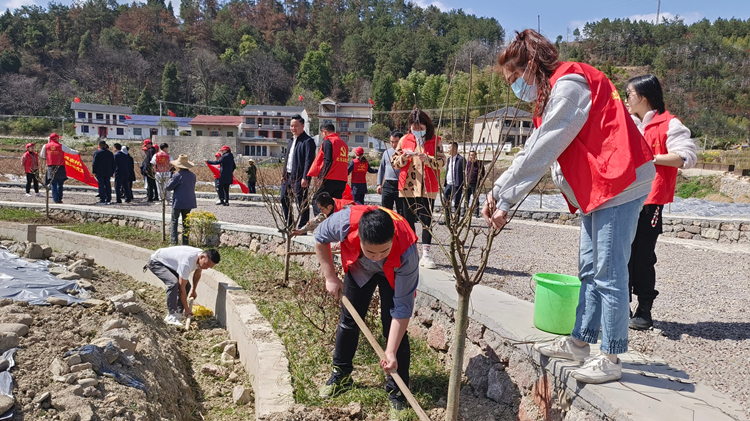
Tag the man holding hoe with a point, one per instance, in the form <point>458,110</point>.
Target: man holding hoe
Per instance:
<point>378,249</point>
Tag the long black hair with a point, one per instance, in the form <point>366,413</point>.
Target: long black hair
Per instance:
<point>648,87</point>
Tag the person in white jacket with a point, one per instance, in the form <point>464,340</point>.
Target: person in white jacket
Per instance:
<point>673,148</point>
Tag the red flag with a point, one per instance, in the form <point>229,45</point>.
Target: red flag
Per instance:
<point>301,98</point>
<point>215,170</point>
<point>242,102</point>
<point>127,117</point>
<point>171,114</point>
<point>347,195</point>
<point>371,101</point>
<point>76,99</point>
<point>76,169</point>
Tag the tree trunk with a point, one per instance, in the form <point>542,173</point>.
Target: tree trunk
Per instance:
<point>459,346</point>
<point>287,258</point>
<point>163,220</point>
<point>46,201</point>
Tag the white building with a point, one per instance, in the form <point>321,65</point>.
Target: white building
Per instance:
<point>352,122</point>
<point>145,126</point>
<point>264,130</point>
<point>509,125</point>
<point>103,121</point>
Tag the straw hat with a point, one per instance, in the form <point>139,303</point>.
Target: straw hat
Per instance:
<point>182,162</point>
<point>251,161</point>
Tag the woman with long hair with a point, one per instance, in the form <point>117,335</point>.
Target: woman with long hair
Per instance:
<point>673,148</point>
<point>603,166</point>
<point>418,158</point>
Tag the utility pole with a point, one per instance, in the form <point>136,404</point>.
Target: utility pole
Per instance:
<point>539,23</point>
<point>160,116</point>
<point>658,9</point>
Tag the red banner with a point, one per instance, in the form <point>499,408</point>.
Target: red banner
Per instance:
<point>215,169</point>
<point>74,168</point>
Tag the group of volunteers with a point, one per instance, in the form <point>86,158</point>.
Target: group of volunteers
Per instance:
<point>616,160</point>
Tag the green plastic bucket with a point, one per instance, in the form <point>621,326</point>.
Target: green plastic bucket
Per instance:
<point>555,302</point>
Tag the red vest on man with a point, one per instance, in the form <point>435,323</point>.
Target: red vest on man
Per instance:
<point>54,154</point>
<point>403,238</point>
<point>600,162</point>
<point>662,190</point>
<point>359,171</point>
<point>162,161</point>
<point>431,183</point>
<point>339,204</point>
<point>339,167</point>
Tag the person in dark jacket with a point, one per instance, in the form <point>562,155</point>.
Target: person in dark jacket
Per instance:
<point>182,184</point>
<point>123,168</point>
<point>474,175</point>
<point>454,179</point>
<point>103,168</point>
<point>226,173</point>
<point>147,170</point>
<point>300,154</point>
<point>252,175</point>
<point>131,180</point>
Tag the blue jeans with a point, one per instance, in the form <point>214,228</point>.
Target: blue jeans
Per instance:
<point>57,190</point>
<point>606,237</point>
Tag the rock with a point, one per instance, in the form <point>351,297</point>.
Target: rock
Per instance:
<point>91,391</point>
<point>59,367</point>
<point>523,371</point>
<point>57,301</point>
<point>227,360</point>
<point>114,324</point>
<point>4,365</point>
<point>233,377</point>
<point>93,302</point>
<point>221,345</point>
<point>213,370</point>
<point>85,284</point>
<point>89,373</point>
<point>241,395</point>
<point>42,398</point>
<point>82,268</point>
<point>46,252</point>
<point>254,246</point>
<point>74,359</point>
<point>69,276</point>
<point>19,329</point>
<point>500,387</point>
<point>89,260</point>
<point>437,337</point>
<point>8,340</point>
<point>88,382</point>
<point>230,349</point>
<point>22,318</point>
<point>6,402</point>
<point>281,250</point>
<point>70,416</point>
<point>57,270</point>
<point>127,297</point>
<point>141,291</point>
<point>80,367</point>
<point>6,302</point>
<point>123,338</point>
<point>354,409</point>
<point>477,371</point>
<point>128,308</point>
<point>33,251</point>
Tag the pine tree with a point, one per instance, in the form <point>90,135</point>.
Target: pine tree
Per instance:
<point>85,45</point>
<point>146,103</point>
<point>170,83</point>
<point>315,70</point>
<point>382,91</point>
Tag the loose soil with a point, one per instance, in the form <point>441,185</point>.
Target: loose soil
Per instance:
<point>168,361</point>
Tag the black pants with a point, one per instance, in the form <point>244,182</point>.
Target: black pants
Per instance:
<point>359,190</point>
<point>123,190</point>
<point>176,214</point>
<point>452,194</point>
<point>151,191</point>
<point>224,193</point>
<point>333,187</point>
<point>29,178</point>
<point>347,332</point>
<point>172,281</point>
<point>251,187</point>
<point>643,254</point>
<point>389,198</point>
<point>292,191</point>
<point>419,208</point>
<point>105,189</point>
<point>471,194</point>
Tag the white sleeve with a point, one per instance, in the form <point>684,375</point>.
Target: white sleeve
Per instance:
<point>153,160</point>
<point>679,142</point>
<point>42,153</point>
<point>69,150</point>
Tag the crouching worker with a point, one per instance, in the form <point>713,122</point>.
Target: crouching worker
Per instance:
<point>377,250</point>
<point>327,205</point>
<point>173,265</point>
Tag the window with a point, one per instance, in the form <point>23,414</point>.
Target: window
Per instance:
<point>100,116</point>
<point>81,114</point>
<point>199,132</point>
<point>252,150</point>
<point>89,115</point>
<point>359,139</point>
<point>85,129</point>
<point>120,131</point>
<point>263,134</point>
<point>249,133</point>
<point>275,121</point>
<point>266,121</point>
<point>107,116</point>
<point>214,133</point>
<point>344,125</point>
<point>526,124</point>
<point>344,137</point>
<point>278,113</point>
<point>359,124</point>
<point>281,122</point>
<point>265,113</point>
<point>278,135</point>
<point>137,131</point>
<point>508,122</point>
<point>170,132</point>
<point>121,118</point>
<point>265,151</point>
<point>289,135</point>
<point>230,134</point>
<point>247,150</point>
<point>250,120</point>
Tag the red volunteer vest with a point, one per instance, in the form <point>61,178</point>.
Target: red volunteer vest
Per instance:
<point>162,162</point>
<point>601,161</point>
<point>359,172</point>
<point>431,183</point>
<point>662,190</point>
<point>339,168</point>
<point>403,238</point>
<point>339,204</point>
<point>54,153</point>
<point>30,161</point>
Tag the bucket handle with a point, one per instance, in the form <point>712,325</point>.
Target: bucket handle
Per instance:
<point>532,285</point>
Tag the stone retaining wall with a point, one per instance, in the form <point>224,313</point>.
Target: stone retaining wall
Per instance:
<point>735,187</point>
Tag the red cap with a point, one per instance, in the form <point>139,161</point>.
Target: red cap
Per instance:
<point>145,148</point>
<point>146,142</point>
<point>54,136</point>
<point>28,145</point>
<point>225,148</point>
<point>359,150</point>
<point>218,154</point>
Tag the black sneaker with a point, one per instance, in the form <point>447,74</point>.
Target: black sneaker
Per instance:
<point>337,383</point>
<point>641,319</point>
<point>398,405</point>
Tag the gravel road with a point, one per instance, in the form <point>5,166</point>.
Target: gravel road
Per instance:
<point>701,314</point>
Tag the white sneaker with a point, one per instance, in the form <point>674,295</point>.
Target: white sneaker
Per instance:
<point>598,369</point>
<point>39,195</point>
<point>28,194</point>
<point>172,319</point>
<point>427,262</point>
<point>219,202</point>
<point>563,347</point>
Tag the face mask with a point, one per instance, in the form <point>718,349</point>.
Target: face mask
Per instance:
<point>419,135</point>
<point>523,90</point>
